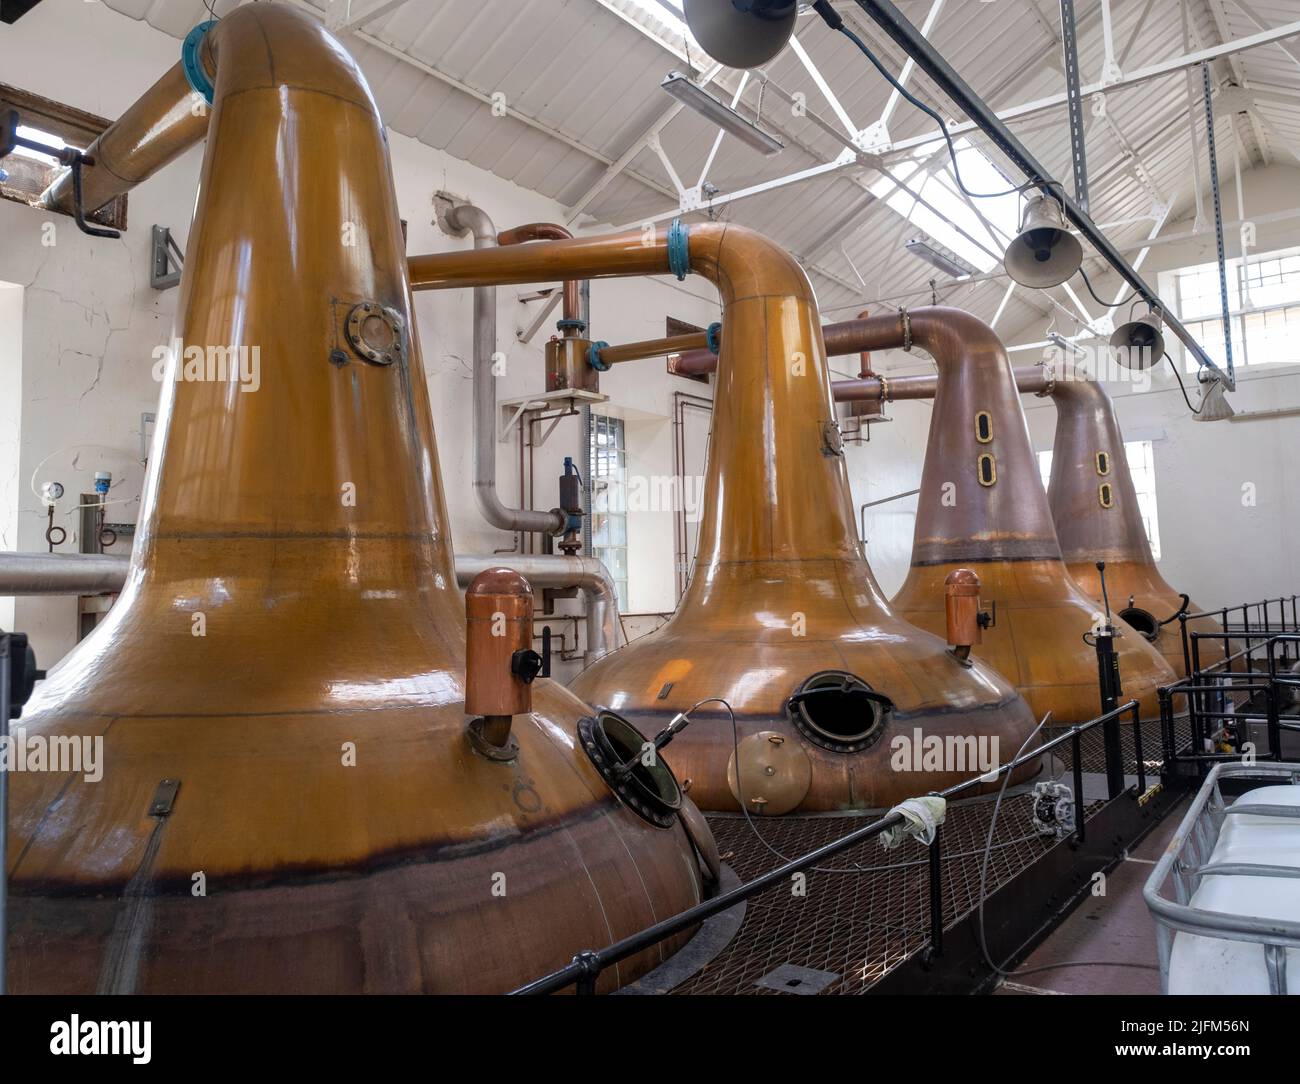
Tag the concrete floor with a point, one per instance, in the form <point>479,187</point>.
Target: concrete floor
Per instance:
<point>1114,926</point>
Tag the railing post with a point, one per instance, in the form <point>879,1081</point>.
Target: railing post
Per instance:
<point>1168,752</point>
<point>1076,754</point>
<point>1137,749</point>
<point>936,894</point>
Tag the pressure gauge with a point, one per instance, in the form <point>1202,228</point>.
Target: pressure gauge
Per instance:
<point>51,492</point>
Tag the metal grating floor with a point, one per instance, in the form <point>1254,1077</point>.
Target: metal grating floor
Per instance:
<point>857,925</point>
<point>861,924</point>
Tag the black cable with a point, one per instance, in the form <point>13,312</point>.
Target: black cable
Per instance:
<point>1106,304</point>
<point>1181,386</point>
<point>753,826</point>
<point>835,22</point>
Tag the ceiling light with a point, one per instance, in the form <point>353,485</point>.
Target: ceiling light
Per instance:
<point>719,113</point>
<point>1214,403</point>
<point>1065,344</point>
<point>949,265</point>
<point>1044,253</point>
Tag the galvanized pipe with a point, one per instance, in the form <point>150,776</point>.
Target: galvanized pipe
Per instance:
<point>466,217</point>
<point>23,574</point>
<point>61,574</point>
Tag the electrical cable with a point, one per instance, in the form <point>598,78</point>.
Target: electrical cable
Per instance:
<point>984,867</point>
<point>1134,296</point>
<point>986,851</point>
<point>835,22</point>
<point>753,826</point>
<point>1181,386</point>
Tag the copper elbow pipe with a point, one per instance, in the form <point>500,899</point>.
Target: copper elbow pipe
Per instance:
<point>773,337</point>
<point>551,231</point>
<point>168,119</point>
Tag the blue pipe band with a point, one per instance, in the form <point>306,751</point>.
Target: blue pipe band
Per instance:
<point>594,359</point>
<point>711,339</point>
<point>679,249</point>
<point>192,64</point>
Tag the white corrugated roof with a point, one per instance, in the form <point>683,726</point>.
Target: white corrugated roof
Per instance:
<point>580,80</point>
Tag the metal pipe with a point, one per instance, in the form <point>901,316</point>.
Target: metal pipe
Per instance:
<point>465,217</point>
<point>573,321</point>
<point>62,574</point>
<point>653,348</point>
<point>587,574</point>
<point>158,128</point>
<point>24,574</point>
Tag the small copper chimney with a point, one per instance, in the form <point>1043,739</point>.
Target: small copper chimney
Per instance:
<point>961,593</point>
<point>500,663</point>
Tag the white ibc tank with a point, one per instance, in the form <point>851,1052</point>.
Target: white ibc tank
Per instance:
<point>1209,965</point>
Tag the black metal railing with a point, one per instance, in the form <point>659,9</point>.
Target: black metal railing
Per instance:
<point>1261,619</point>
<point>586,967</point>
<point>1249,686</point>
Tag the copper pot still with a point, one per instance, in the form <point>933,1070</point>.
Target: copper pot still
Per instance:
<point>838,702</point>
<point>290,799</point>
<point>982,506</point>
<point>1095,508</point>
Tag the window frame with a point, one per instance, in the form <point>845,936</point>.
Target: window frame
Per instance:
<point>76,127</point>
<point>1239,315</point>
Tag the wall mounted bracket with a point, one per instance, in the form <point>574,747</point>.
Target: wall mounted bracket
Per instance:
<point>168,259</point>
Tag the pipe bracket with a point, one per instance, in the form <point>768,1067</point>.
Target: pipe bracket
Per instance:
<point>192,62</point>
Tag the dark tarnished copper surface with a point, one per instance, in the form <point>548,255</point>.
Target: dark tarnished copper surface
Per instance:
<point>1003,532</point>
<point>346,836</point>
<point>1086,426</point>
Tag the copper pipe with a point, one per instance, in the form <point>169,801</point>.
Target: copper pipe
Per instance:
<point>552,231</point>
<point>864,357</point>
<point>289,646</point>
<point>653,348</point>
<point>168,119</point>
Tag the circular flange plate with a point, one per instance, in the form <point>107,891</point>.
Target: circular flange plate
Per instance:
<point>375,332</point>
<point>775,773</point>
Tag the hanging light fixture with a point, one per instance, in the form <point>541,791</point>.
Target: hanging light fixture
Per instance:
<point>1139,344</point>
<point>741,33</point>
<point>697,98</point>
<point>1044,253</point>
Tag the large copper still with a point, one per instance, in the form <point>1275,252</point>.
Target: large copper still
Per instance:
<point>1095,507</point>
<point>982,506</point>
<point>291,800</point>
<point>835,696</point>
<point>1093,501</point>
